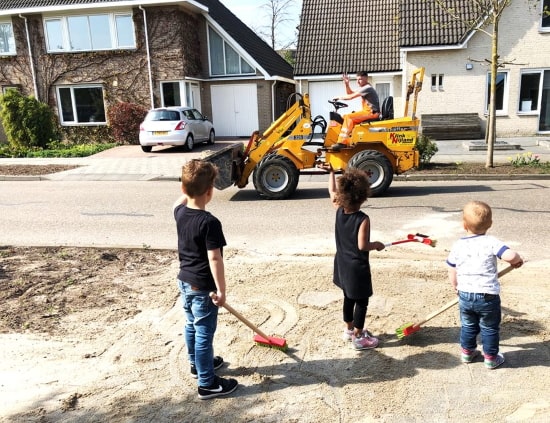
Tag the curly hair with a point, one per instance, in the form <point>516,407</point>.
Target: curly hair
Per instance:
<point>197,176</point>
<point>353,189</point>
<point>477,217</point>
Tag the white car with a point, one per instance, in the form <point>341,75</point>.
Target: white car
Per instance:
<point>175,126</point>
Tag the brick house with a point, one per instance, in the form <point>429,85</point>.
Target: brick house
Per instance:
<point>393,37</point>
<point>81,56</point>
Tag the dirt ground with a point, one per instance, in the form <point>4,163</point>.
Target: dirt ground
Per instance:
<point>94,335</point>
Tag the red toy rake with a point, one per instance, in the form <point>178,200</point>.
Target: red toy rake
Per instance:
<point>424,239</point>
<point>410,328</point>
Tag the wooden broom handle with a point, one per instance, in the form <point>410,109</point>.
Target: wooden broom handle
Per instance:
<point>455,301</point>
<point>243,319</point>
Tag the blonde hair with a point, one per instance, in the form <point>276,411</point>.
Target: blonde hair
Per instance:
<point>477,217</point>
<point>197,177</point>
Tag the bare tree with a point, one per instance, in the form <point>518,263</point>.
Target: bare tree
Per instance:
<point>486,16</point>
<point>278,14</point>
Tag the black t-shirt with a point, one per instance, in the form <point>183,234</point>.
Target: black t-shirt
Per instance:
<point>198,232</point>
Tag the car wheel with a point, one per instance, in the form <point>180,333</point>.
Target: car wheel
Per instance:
<point>378,168</point>
<point>189,143</point>
<point>211,138</point>
<point>146,148</point>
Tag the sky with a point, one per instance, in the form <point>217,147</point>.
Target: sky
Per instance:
<point>256,17</point>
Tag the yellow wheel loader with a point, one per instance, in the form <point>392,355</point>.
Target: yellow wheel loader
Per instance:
<point>296,142</point>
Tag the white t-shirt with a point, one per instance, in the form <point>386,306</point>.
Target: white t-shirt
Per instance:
<point>475,260</point>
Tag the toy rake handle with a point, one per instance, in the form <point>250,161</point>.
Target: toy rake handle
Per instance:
<point>455,301</point>
<point>389,244</point>
<point>243,319</point>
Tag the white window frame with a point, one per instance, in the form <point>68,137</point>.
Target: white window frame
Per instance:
<point>76,122</point>
<point>224,46</point>
<point>437,81</point>
<point>540,72</point>
<point>11,41</point>
<point>65,35</point>
<point>545,16</point>
<point>505,99</point>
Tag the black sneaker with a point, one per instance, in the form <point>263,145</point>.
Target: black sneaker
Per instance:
<point>218,362</point>
<point>220,387</point>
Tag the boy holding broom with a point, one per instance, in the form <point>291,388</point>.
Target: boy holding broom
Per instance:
<point>200,244</point>
<point>473,274</point>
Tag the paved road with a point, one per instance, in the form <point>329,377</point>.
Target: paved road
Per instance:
<point>132,213</point>
<point>129,163</point>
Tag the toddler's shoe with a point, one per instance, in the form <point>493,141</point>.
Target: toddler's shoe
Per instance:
<point>220,387</point>
<point>364,342</point>
<point>218,362</point>
<point>468,356</point>
<point>348,334</point>
<point>492,362</point>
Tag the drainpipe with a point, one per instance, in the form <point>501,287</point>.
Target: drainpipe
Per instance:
<point>148,58</point>
<point>273,101</point>
<point>30,57</point>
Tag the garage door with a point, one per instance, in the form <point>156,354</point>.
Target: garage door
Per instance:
<point>322,91</point>
<point>234,109</point>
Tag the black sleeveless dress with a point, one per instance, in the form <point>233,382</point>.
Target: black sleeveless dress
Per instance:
<point>351,266</point>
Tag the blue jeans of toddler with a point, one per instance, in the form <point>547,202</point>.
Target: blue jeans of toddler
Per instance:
<point>479,313</point>
<point>201,322</point>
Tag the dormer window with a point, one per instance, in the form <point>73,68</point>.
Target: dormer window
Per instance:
<point>224,60</point>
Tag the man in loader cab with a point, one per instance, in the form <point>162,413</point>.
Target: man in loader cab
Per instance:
<point>369,100</point>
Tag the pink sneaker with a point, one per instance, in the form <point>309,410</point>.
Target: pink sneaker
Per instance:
<point>347,335</point>
<point>364,342</point>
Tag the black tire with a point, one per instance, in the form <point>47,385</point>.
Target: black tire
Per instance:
<point>276,177</point>
<point>189,143</point>
<point>146,148</point>
<point>211,138</point>
<point>378,168</point>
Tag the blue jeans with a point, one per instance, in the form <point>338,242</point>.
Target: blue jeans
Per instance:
<point>201,322</point>
<point>479,313</point>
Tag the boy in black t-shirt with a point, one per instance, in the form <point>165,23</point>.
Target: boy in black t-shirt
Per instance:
<point>200,245</point>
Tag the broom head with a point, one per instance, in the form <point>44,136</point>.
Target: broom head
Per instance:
<point>406,330</point>
<point>271,342</point>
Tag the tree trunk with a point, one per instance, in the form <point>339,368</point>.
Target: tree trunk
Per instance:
<point>491,124</point>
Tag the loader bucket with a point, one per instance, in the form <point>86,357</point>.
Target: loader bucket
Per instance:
<point>228,161</point>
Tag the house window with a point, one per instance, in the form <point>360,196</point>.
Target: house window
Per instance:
<point>224,60</point>
<point>89,32</point>
<point>81,104</point>
<point>437,82</point>
<point>501,92</point>
<point>7,40</point>
<point>384,90</point>
<point>545,22</point>
<point>6,88</point>
<point>171,94</point>
<point>529,91</point>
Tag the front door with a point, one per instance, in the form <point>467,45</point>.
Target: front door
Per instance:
<point>544,119</point>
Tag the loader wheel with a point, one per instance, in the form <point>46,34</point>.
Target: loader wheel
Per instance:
<point>276,177</point>
<point>378,168</point>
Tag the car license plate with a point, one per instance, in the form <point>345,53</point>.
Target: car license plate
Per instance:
<point>160,132</point>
